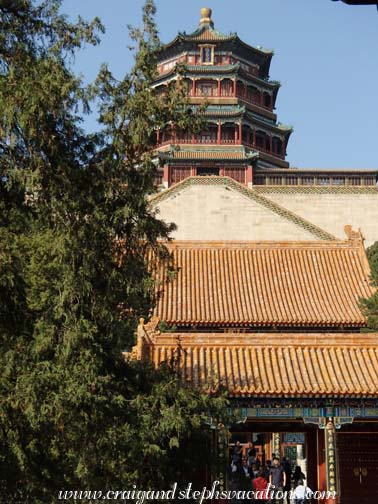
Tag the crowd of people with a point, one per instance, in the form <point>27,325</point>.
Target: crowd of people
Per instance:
<point>275,476</point>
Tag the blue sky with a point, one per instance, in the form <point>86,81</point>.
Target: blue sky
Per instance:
<point>325,57</point>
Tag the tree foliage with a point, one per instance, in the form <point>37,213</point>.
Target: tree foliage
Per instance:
<point>370,305</point>
<point>73,413</point>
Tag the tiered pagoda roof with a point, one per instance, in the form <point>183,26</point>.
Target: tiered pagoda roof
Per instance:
<point>206,33</point>
<point>249,104</point>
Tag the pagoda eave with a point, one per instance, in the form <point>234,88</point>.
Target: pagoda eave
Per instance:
<point>273,159</point>
<point>230,100</point>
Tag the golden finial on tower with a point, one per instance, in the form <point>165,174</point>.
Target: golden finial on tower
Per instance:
<point>206,16</point>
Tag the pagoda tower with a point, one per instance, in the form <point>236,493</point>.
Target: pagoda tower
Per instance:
<point>242,135</point>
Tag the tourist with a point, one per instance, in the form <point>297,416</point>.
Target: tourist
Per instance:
<point>298,475</point>
<point>302,493</point>
<point>277,479</point>
<point>260,484</point>
<point>245,476</point>
<point>266,469</point>
<point>287,469</point>
<point>237,454</point>
<point>245,468</point>
<point>251,454</point>
<point>254,470</point>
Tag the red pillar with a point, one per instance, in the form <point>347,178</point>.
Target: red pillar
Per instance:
<point>219,87</point>
<point>240,132</point>
<point>219,133</point>
<point>331,460</point>
<point>322,478</point>
<point>254,137</point>
<point>249,177</point>
<point>158,136</point>
<point>194,87</point>
<point>271,143</point>
<point>166,181</point>
<point>322,467</point>
<point>235,134</point>
<point>234,90</point>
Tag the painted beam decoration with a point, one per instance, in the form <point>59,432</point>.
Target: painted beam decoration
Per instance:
<point>342,415</point>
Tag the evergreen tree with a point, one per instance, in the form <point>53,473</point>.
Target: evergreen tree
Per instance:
<point>370,305</point>
<point>372,254</point>
<point>76,230</point>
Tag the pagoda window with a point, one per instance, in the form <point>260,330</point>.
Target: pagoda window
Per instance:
<point>228,133</point>
<point>277,146</point>
<point>207,88</point>
<point>207,54</point>
<point>226,87</point>
<point>184,136</point>
<point>240,89</point>
<point>267,143</point>
<point>254,70</point>
<point>267,100</point>
<point>253,95</point>
<point>244,134</point>
<point>208,136</point>
<point>260,139</point>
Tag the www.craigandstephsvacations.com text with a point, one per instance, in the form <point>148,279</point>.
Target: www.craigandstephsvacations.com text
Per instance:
<point>140,496</point>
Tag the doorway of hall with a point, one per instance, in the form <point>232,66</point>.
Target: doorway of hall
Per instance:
<point>296,450</point>
<point>358,467</point>
<point>207,170</point>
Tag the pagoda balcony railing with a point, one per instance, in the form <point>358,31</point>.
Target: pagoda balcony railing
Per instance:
<point>209,141</point>
<point>213,94</point>
<point>223,141</point>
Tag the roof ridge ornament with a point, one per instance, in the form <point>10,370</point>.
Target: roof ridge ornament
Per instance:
<point>354,237</point>
<point>206,17</point>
